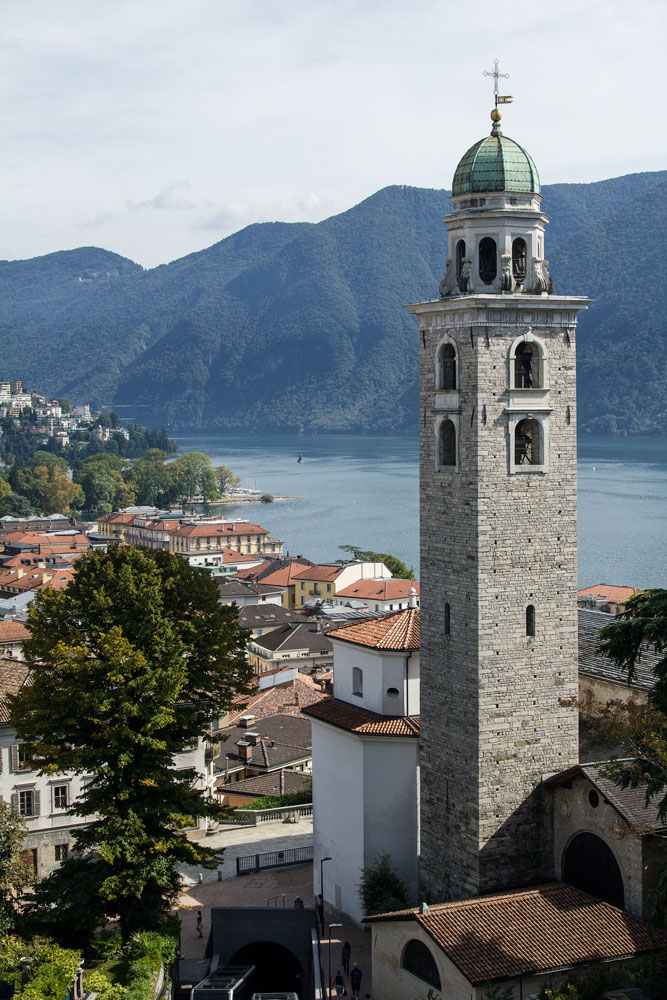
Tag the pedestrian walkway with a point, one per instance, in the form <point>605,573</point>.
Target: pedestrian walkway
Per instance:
<point>240,841</point>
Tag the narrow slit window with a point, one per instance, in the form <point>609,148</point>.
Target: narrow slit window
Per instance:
<point>460,257</point>
<point>447,444</point>
<point>488,260</point>
<point>530,620</point>
<point>447,361</point>
<point>519,259</point>
<point>448,622</point>
<point>358,682</point>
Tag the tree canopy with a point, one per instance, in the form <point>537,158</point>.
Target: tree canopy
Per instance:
<point>129,664</point>
<point>396,566</point>
<point>15,874</point>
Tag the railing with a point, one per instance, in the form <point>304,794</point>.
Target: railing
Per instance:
<point>273,900</point>
<point>283,814</point>
<point>252,863</point>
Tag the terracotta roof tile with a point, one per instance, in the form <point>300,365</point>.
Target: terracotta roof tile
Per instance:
<point>395,630</point>
<point>321,573</point>
<point>530,931</point>
<point>13,675</point>
<point>609,592</point>
<point>12,631</point>
<point>381,590</point>
<point>219,529</point>
<point>284,699</point>
<point>360,720</point>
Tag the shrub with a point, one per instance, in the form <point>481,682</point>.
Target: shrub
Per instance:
<point>267,498</point>
<point>380,888</point>
<point>97,982</point>
<point>302,797</point>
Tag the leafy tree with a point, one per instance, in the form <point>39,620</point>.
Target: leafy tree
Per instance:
<point>45,483</point>
<point>226,480</point>
<point>380,888</point>
<point>139,643</point>
<point>15,874</point>
<point>5,488</point>
<point>208,485</point>
<point>65,405</point>
<point>15,505</point>
<point>102,482</point>
<point>192,467</point>
<point>155,482</point>
<point>396,567</point>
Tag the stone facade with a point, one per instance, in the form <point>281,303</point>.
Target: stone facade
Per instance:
<point>498,538</point>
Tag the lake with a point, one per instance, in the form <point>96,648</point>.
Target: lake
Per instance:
<point>363,490</point>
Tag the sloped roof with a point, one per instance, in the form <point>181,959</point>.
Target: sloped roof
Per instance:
<point>360,720</point>
<point>260,615</point>
<point>295,635</point>
<point>13,674</point>
<point>396,630</point>
<point>12,631</point>
<point>268,784</point>
<point>196,530</point>
<point>236,588</point>
<point>594,664</point>
<point>629,803</point>
<point>609,591</point>
<point>284,699</point>
<point>381,590</point>
<point>283,739</point>
<point>320,573</point>
<point>530,931</point>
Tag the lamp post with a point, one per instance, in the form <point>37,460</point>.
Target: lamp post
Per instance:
<point>321,915</point>
<point>329,950</point>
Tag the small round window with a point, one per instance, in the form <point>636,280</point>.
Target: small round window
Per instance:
<point>393,692</point>
<point>594,798</point>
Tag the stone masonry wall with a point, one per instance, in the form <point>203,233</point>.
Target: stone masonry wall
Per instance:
<point>494,706</point>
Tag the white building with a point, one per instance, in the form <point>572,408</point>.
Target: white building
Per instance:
<point>365,758</point>
<point>378,595</point>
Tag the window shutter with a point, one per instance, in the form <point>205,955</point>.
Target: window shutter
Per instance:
<point>15,757</point>
<point>35,803</point>
<point>0,760</point>
<point>15,801</point>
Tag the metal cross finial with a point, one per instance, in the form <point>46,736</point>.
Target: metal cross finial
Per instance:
<point>497,75</point>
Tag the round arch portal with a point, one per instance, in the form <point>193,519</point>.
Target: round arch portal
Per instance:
<point>589,864</point>
<point>277,969</point>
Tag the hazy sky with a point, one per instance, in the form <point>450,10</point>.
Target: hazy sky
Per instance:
<point>157,127</point>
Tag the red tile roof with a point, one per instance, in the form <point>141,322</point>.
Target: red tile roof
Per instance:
<point>11,631</point>
<point>530,931</point>
<point>190,530</point>
<point>285,699</point>
<point>13,674</point>
<point>321,573</point>
<point>381,590</point>
<point>609,592</point>
<point>396,630</point>
<point>360,720</point>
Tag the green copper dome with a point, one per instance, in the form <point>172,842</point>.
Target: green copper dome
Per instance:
<point>496,164</point>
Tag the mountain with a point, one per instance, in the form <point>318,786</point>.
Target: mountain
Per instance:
<point>289,326</point>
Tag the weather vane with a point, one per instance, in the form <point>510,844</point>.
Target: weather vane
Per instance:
<point>497,75</point>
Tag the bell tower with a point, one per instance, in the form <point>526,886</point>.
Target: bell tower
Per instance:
<point>498,533</point>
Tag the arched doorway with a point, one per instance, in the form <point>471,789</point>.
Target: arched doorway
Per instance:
<point>589,865</point>
<point>277,970</point>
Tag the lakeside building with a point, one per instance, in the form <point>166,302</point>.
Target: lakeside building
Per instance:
<point>324,580</point>
<point>282,572</point>
<point>379,595</point>
<point>188,536</point>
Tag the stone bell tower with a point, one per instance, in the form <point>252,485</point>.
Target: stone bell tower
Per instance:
<point>498,500</point>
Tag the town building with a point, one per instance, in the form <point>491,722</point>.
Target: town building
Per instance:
<point>188,536</point>
<point>303,645</point>
<point>263,618</point>
<point>366,756</point>
<point>281,571</point>
<point>243,594</point>
<point>256,746</point>
<point>325,580</point>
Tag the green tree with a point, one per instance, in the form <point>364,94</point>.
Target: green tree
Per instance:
<point>101,479</point>
<point>192,467</point>
<point>208,485</point>
<point>139,643</point>
<point>65,406</point>
<point>5,488</point>
<point>396,566</point>
<point>380,888</point>
<point>15,505</point>
<point>155,482</point>
<point>15,874</point>
<point>46,484</point>
<point>226,480</point>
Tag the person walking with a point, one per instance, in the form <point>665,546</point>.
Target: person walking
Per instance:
<point>319,906</point>
<point>199,930</point>
<point>339,985</point>
<point>345,957</point>
<point>355,980</point>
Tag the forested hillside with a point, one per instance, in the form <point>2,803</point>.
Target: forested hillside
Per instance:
<point>281,327</point>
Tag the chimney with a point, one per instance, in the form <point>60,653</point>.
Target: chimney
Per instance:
<point>282,782</point>
<point>252,738</point>
<point>245,749</point>
<point>412,598</point>
<point>246,721</point>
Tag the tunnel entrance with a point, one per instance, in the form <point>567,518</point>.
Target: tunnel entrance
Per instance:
<point>277,970</point>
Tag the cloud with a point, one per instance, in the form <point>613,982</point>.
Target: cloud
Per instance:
<point>236,214</point>
<point>101,219</point>
<point>171,198</point>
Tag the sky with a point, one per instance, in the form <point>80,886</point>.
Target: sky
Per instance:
<point>155,128</point>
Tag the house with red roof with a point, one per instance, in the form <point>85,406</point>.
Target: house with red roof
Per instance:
<point>321,582</point>
<point>366,756</point>
<point>379,595</point>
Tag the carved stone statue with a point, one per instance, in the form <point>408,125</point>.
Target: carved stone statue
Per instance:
<point>541,278</point>
<point>506,272</point>
<point>447,283</point>
<point>464,280</point>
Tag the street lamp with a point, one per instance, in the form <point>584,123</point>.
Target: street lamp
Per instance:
<point>321,915</point>
<point>329,949</point>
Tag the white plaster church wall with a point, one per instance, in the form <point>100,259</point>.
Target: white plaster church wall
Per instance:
<point>381,671</point>
<point>364,805</point>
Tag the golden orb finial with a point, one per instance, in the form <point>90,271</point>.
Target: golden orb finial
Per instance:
<point>496,115</point>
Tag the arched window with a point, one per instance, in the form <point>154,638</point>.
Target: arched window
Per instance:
<point>527,366</point>
<point>447,620</point>
<point>460,256</point>
<point>528,442</point>
<point>589,864</point>
<point>358,681</point>
<point>419,961</point>
<point>447,366</point>
<point>519,259</point>
<point>488,260</point>
<point>446,444</point>
<point>530,620</point>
